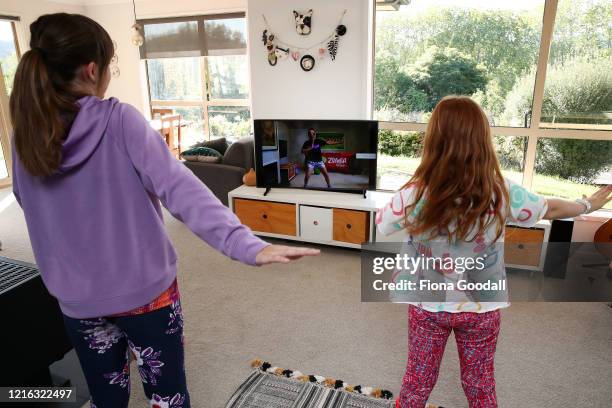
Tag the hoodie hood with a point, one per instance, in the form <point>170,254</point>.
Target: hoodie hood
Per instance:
<point>87,130</point>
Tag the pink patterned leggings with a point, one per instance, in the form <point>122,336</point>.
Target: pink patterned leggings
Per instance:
<point>476,335</point>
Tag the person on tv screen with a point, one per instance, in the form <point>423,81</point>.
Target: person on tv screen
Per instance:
<point>314,159</point>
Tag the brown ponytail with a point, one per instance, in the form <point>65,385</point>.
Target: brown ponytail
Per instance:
<point>43,101</point>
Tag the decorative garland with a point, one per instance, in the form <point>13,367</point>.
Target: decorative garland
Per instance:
<point>324,381</point>
<point>279,50</point>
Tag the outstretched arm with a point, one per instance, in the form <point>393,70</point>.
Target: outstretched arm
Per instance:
<point>560,208</point>
<point>189,200</point>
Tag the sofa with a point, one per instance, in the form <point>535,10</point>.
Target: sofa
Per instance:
<point>225,175</point>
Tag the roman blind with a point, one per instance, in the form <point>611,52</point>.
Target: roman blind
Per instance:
<point>219,34</point>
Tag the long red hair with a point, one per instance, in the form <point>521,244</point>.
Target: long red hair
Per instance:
<point>460,190</point>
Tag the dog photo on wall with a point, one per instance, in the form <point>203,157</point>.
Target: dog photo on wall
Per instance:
<point>303,21</point>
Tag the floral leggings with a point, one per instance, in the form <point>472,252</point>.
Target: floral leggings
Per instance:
<point>476,336</point>
<point>155,342</point>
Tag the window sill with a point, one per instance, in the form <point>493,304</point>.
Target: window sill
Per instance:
<point>595,216</point>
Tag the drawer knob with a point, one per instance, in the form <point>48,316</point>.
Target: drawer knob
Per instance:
<point>265,216</point>
<point>349,226</point>
<point>521,246</point>
<point>315,222</point>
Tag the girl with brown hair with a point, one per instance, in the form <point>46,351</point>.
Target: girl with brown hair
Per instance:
<point>91,176</point>
<point>457,203</point>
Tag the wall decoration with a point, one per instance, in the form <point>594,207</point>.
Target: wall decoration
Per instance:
<point>303,21</point>
<point>281,53</point>
<point>332,47</point>
<point>307,62</point>
<point>268,40</point>
<point>278,49</point>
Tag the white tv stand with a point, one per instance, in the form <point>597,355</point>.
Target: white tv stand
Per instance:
<point>347,220</point>
<point>322,217</point>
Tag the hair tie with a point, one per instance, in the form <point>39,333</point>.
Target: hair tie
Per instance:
<point>39,50</point>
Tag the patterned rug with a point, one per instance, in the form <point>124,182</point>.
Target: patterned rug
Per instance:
<point>266,390</point>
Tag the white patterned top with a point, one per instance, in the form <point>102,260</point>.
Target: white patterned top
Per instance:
<point>525,210</point>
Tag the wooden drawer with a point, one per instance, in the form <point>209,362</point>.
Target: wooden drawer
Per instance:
<point>315,223</point>
<point>351,226</point>
<point>523,246</point>
<point>266,216</point>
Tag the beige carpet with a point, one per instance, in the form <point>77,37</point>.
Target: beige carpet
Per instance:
<point>308,316</point>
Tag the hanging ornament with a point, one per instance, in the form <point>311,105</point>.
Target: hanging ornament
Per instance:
<point>137,37</point>
<point>303,21</point>
<point>307,62</point>
<point>304,54</point>
<point>272,58</point>
<point>281,53</point>
<point>332,47</point>
<point>268,40</point>
<point>137,31</point>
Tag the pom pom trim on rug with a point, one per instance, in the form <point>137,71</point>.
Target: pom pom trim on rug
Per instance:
<point>328,382</point>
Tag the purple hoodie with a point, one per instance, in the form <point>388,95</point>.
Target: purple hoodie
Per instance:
<point>96,226</point>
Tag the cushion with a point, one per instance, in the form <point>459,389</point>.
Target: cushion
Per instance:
<point>209,159</point>
<point>219,145</point>
<point>240,153</point>
<point>203,154</point>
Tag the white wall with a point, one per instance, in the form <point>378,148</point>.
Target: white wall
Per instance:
<point>333,89</point>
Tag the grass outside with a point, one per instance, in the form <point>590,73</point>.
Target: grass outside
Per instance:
<point>394,171</point>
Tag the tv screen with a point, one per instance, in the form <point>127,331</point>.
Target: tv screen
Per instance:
<point>337,155</point>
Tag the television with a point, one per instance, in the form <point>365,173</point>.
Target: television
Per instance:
<point>331,155</point>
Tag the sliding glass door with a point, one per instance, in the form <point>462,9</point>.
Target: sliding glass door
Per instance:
<point>539,68</point>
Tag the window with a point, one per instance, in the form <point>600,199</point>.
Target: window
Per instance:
<point>566,168</point>
<point>432,48</point>
<point>399,154</point>
<point>9,51</point>
<point>511,154</point>
<point>577,92</point>
<point>540,70</point>
<point>9,57</point>
<point>175,79</point>
<point>197,66</point>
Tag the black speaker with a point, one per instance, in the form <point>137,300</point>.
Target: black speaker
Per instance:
<point>555,264</point>
<point>33,333</point>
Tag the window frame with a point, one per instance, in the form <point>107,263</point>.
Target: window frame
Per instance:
<point>537,129</point>
<point>207,101</point>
